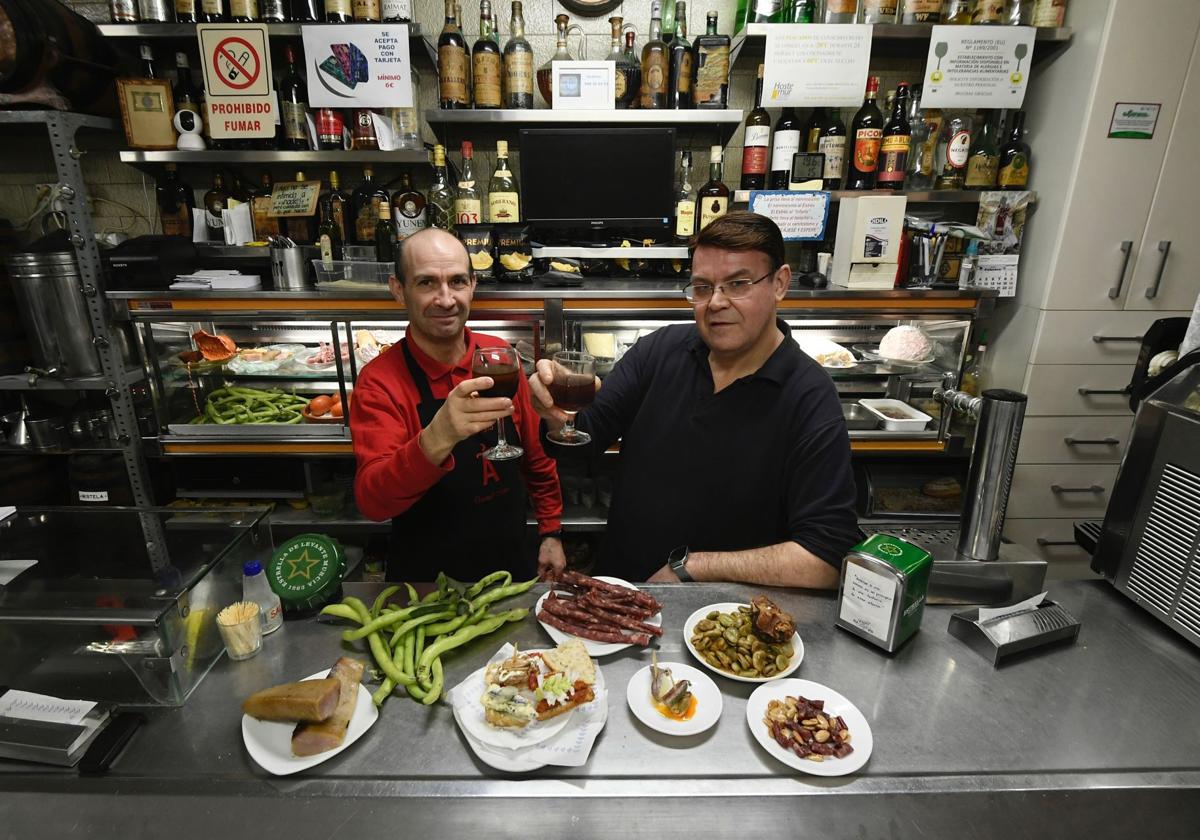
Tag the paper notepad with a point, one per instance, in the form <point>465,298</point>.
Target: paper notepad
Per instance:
<point>25,705</point>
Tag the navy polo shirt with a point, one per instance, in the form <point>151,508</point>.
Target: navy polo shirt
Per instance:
<point>764,461</point>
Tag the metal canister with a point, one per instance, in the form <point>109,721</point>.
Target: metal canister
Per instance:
<point>54,312</point>
<point>883,589</point>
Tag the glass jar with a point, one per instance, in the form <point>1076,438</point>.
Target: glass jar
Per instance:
<point>545,73</point>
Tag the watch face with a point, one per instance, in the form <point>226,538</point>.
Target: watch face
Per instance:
<point>590,8</point>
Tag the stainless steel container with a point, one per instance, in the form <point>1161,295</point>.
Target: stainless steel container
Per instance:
<point>289,268</point>
<point>54,313</point>
<point>1001,413</point>
<point>46,435</point>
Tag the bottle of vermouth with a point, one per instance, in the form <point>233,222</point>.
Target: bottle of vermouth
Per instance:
<point>330,127</point>
<point>408,209</point>
<point>897,136</point>
<point>866,133</point>
<point>453,66</point>
<point>712,67</point>
<point>441,194</point>
<point>712,199</point>
<point>518,63</point>
<point>685,201</point>
<point>656,68</point>
<point>504,204</point>
<point>757,141</point>
<point>486,64</point>
<point>468,203</point>
<point>679,87</point>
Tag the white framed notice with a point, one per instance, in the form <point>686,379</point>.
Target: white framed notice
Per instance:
<point>583,85</point>
<point>867,601</point>
<point>978,66</point>
<point>358,65</point>
<point>800,215</point>
<point>815,64</point>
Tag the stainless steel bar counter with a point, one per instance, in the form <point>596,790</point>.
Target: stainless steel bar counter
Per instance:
<point>1097,739</point>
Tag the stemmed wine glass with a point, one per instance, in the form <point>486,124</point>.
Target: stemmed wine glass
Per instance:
<point>573,389</point>
<point>504,367</point>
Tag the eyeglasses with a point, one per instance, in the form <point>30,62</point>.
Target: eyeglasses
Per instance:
<point>731,289</point>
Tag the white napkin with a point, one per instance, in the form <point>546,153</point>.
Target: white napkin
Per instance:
<point>569,748</point>
<point>990,613</point>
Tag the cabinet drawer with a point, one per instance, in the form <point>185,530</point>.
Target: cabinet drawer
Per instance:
<point>1054,541</point>
<point>1073,440</point>
<point>1061,491</point>
<point>1092,338</point>
<point>1055,390</point>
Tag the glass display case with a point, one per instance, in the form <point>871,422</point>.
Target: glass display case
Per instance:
<point>99,611</point>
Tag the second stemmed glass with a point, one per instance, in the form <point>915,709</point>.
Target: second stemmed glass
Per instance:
<point>573,389</point>
<point>504,367</point>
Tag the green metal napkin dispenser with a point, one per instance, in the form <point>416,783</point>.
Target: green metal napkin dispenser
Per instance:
<point>882,595</point>
<point>1001,632</point>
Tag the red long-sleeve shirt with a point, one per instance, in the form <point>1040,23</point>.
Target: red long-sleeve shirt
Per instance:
<point>393,470</point>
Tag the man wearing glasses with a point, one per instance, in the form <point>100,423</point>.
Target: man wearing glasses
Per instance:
<point>735,460</point>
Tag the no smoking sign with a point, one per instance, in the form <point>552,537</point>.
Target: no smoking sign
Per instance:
<point>237,80</point>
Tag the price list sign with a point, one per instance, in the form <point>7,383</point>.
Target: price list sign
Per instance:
<point>978,66</point>
<point>813,65</point>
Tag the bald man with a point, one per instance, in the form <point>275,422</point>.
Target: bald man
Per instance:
<point>421,428</point>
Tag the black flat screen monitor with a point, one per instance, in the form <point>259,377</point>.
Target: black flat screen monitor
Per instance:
<point>598,178</point>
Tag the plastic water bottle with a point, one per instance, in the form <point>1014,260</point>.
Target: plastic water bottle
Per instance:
<point>255,588</point>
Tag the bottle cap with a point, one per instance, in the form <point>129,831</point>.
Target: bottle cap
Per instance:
<point>306,571</point>
<point>502,147</point>
<point>251,567</point>
<point>468,148</point>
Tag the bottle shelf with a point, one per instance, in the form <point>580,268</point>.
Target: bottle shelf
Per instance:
<point>271,156</point>
<point>886,38</point>
<point>188,30</point>
<point>725,121</point>
<point>916,197</point>
<point>21,382</point>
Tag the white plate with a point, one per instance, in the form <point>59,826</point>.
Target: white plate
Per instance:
<point>840,367</point>
<point>270,743</point>
<point>871,354</point>
<point>835,704</point>
<point>239,365</point>
<point>708,700</point>
<point>301,361</point>
<point>593,648</point>
<point>728,607</point>
<point>475,723</point>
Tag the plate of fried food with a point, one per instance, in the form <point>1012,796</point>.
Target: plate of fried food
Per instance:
<point>291,727</point>
<point>810,727</point>
<point>754,642</point>
<point>606,613</point>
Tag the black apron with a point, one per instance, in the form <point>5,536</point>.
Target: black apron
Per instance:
<point>472,521</point>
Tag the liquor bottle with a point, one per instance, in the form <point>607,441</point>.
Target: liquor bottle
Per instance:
<point>301,229</point>
<point>897,136</point>
<point>801,11</point>
<point>175,203</point>
<point>338,204</point>
<point>784,145</point>
<point>147,61</point>
<point>958,12</point>
<point>213,11</point>
<point>712,200</point>
<point>712,67</point>
<point>307,11</point>
<point>293,104</point>
<point>123,11</point>
<point>468,203</point>
<point>1049,13</point>
<point>338,11</point>
<point>330,127</point>
<point>840,11</point>
<point>667,13</point>
<point>265,225</point>
<point>545,73</point>
<point>452,64</point>
<point>656,68</point>
<point>366,11</point>
<point>1014,157</point>
<point>757,141</point>
<point>399,11</point>
<point>927,130</point>
<point>518,63</point>
<point>679,87</point>
<point>983,162</point>
<point>365,205</point>
<point>922,11</point>
<point>877,11</point>
<point>385,235</point>
<point>685,201</point>
<point>757,11</point>
<point>184,90</point>
<point>988,12</point>
<point>186,11</point>
<point>953,148</point>
<point>623,72</point>
<point>406,122</point>
<point>216,200</point>
<point>866,133</point>
<point>243,11</point>
<point>329,238</point>
<point>832,144</point>
<point>634,64</point>
<point>408,209</point>
<point>441,194</point>
<point>362,131</point>
<point>485,62</point>
<point>156,11</point>
<point>274,11</point>
<point>503,194</point>
<point>812,130</point>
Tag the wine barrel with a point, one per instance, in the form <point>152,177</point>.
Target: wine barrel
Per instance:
<point>44,44</point>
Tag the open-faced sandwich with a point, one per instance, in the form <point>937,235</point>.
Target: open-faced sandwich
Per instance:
<point>530,687</point>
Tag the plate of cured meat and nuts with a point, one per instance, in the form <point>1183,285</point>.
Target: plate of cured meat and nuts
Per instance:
<point>810,727</point>
<point>608,614</point>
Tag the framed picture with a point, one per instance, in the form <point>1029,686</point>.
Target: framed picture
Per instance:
<point>147,109</point>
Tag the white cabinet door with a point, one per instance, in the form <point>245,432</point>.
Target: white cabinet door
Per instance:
<point>1073,440</point>
<point>1167,273</point>
<point>1093,337</point>
<point>1144,58</point>
<point>1084,390</point>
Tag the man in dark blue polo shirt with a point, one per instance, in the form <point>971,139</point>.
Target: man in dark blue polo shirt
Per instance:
<point>735,460</point>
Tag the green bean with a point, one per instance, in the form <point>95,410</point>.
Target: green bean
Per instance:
<point>435,690</point>
<point>485,582</point>
<point>501,593</point>
<point>383,692</point>
<point>413,598</point>
<point>388,619</point>
<point>418,646</point>
<point>409,647</point>
<point>384,659</point>
<point>340,611</point>
<point>431,597</point>
<point>382,599</point>
<point>412,623</point>
<point>467,618</point>
<point>415,692</point>
<point>473,631</point>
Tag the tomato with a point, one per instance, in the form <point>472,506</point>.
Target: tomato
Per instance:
<point>336,410</point>
<point>319,406</point>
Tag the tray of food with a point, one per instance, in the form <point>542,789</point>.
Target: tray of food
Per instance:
<point>268,359</point>
<point>237,412</point>
<point>826,352</point>
<point>755,642</point>
<point>608,614</point>
<point>809,727</point>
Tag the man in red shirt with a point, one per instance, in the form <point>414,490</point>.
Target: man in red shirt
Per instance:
<point>421,428</point>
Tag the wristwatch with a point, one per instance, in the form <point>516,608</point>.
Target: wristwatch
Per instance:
<point>677,560</point>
